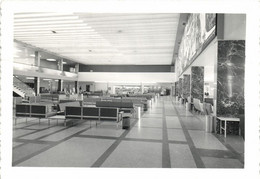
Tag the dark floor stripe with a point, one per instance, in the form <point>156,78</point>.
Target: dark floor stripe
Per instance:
<point>48,147</point>
<point>239,156</point>
<point>166,159</point>
<point>108,152</point>
<point>217,153</point>
<point>97,137</point>
<point>198,161</point>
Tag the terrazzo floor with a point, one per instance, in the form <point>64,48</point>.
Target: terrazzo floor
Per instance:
<point>166,136</point>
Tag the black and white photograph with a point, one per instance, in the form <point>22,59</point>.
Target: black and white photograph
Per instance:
<point>123,89</point>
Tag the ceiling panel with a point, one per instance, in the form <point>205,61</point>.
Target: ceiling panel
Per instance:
<point>92,38</point>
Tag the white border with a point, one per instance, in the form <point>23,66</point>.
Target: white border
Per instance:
<point>123,6</point>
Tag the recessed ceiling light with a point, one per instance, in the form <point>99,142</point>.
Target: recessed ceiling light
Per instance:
<point>64,62</point>
<point>51,59</point>
<point>32,55</point>
<point>29,78</point>
<point>46,79</point>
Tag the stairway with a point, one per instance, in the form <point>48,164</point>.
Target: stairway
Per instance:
<point>22,89</point>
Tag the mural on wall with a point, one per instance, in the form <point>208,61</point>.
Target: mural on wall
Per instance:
<point>186,86</point>
<point>199,29</point>
<point>230,80</point>
<point>180,87</point>
<point>197,82</point>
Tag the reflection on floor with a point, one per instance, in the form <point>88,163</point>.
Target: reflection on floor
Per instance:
<point>166,136</point>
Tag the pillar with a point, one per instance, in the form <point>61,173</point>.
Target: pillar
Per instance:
<point>60,85</point>
<point>37,85</point>
<point>197,82</point>
<point>186,86</point>
<point>230,82</point>
<point>37,58</point>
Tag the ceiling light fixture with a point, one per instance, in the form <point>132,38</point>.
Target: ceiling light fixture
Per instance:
<point>30,78</point>
<point>64,62</point>
<point>51,59</point>
<point>49,22</point>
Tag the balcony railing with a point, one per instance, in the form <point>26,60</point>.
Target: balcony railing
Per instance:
<point>32,70</point>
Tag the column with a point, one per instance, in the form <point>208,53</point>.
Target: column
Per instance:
<point>230,82</point>
<point>197,82</point>
<point>37,62</point>
<point>76,86</point>
<point>60,85</point>
<point>186,86</point>
<point>142,88</point>
<point>37,58</point>
<point>37,85</point>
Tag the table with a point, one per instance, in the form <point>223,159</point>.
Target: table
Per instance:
<point>225,119</point>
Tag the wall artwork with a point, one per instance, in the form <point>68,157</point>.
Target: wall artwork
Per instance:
<point>186,86</point>
<point>197,82</point>
<point>200,28</point>
<point>230,80</point>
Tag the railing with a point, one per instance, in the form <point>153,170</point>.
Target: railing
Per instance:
<point>42,71</point>
<point>20,85</point>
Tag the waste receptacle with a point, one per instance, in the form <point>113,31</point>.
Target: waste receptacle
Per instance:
<point>126,123</point>
<point>208,124</point>
<point>188,106</point>
<point>138,112</point>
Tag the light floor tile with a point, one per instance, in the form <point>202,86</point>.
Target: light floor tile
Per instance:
<point>205,140</point>
<point>192,123</point>
<point>76,152</point>
<point>21,132</point>
<point>176,135</point>
<point>132,154</point>
<point>149,122</point>
<point>42,133</point>
<point>103,131</point>
<point>152,115</point>
<point>26,150</point>
<point>173,122</point>
<point>211,162</point>
<point>181,156</point>
<point>16,144</point>
<point>145,133</point>
<point>64,134</point>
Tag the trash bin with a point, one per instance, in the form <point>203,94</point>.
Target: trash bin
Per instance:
<point>126,123</point>
<point>138,112</point>
<point>208,124</point>
<point>149,103</point>
<point>188,106</point>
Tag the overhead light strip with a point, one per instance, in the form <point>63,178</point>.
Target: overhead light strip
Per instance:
<point>53,18</point>
<point>49,22</point>
<point>43,14</point>
<point>50,26</point>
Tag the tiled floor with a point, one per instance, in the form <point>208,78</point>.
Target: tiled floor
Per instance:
<point>166,136</point>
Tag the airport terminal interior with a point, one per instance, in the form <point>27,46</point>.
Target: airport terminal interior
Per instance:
<point>128,90</point>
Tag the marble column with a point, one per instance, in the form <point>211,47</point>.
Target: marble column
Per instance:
<point>197,82</point>
<point>180,87</point>
<point>176,88</point>
<point>186,86</point>
<point>230,81</point>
